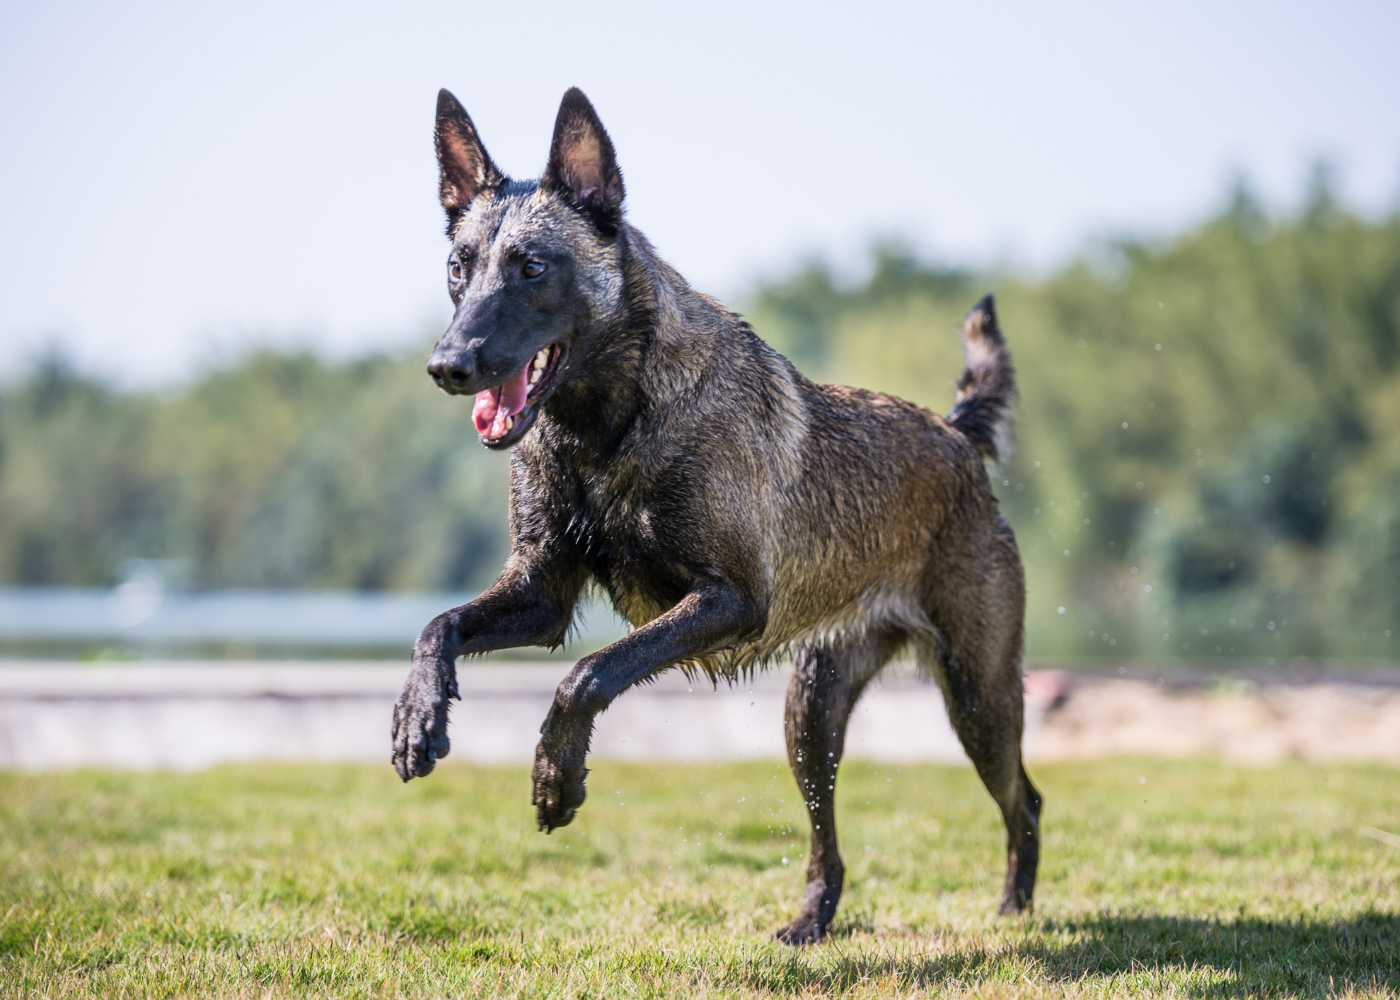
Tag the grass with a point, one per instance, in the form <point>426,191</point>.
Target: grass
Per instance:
<point>1203,880</point>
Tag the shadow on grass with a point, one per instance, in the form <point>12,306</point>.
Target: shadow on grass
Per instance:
<point>1204,958</point>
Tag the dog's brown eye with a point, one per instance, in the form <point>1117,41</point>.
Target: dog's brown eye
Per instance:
<point>532,269</point>
<point>455,269</point>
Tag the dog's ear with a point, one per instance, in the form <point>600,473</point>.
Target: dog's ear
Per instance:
<point>582,164</point>
<point>463,164</point>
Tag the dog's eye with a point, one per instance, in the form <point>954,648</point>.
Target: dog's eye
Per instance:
<point>532,269</point>
<point>455,269</point>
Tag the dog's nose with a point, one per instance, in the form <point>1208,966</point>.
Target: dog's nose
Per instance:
<point>449,374</point>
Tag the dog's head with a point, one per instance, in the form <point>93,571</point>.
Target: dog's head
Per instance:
<point>534,265</point>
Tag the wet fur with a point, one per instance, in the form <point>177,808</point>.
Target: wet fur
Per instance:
<point>733,511</point>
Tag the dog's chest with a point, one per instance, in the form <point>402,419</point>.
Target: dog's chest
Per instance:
<point>624,539</point>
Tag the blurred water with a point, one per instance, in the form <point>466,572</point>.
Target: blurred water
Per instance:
<point>141,611</point>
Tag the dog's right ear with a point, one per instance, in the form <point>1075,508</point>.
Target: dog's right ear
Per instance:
<point>463,164</point>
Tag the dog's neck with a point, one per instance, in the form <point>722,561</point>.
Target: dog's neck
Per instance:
<point>659,338</point>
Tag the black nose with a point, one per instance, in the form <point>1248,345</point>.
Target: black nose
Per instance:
<point>445,373</point>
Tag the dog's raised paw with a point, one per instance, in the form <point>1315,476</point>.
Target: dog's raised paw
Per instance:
<point>558,792</point>
<point>420,733</point>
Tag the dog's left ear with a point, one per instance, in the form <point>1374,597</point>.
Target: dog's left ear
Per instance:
<point>582,164</point>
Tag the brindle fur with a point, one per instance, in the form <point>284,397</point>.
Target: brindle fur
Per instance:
<point>733,511</point>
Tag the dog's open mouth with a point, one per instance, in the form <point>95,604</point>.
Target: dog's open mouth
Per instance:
<point>503,414</point>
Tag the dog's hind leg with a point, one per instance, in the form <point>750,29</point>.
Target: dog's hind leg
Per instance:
<point>979,666</point>
<point>824,688</point>
<point>992,738</point>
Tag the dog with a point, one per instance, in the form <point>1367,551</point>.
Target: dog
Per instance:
<point>733,511</point>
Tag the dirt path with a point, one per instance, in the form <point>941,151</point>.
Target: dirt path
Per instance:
<point>1086,717</point>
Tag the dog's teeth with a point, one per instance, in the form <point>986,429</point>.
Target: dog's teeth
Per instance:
<point>510,422</point>
<point>535,376</point>
<point>542,358</point>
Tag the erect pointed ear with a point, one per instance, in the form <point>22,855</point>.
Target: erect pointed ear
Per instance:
<point>464,166</point>
<point>582,164</point>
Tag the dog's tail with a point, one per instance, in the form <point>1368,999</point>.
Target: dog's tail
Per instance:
<point>987,388</point>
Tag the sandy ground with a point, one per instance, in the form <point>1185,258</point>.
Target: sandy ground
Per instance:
<point>1244,722</point>
<point>192,715</point>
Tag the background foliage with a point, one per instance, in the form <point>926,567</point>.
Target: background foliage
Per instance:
<point>1208,444</point>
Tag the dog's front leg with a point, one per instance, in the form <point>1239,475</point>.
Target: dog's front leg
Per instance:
<point>517,610</point>
<point>710,616</point>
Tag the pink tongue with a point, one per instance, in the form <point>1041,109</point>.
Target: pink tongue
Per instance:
<point>493,405</point>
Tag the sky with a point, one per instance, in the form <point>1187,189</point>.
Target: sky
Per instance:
<point>181,182</point>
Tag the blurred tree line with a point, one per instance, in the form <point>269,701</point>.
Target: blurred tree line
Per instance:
<point>1207,463</point>
<point>283,471</point>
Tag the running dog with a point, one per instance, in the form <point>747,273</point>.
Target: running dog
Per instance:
<point>734,511</point>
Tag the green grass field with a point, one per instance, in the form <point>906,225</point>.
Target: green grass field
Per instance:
<point>1201,880</point>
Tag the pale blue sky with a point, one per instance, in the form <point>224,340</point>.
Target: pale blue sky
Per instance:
<point>180,180</point>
